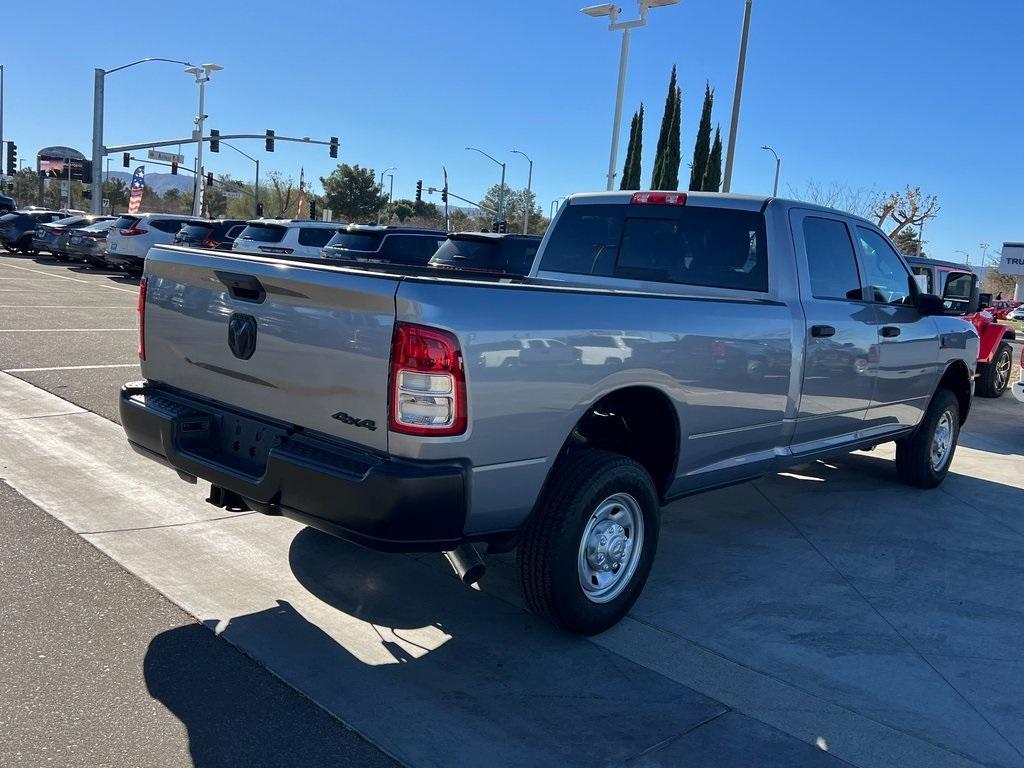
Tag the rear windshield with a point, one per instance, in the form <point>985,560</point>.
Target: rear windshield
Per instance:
<point>99,226</point>
<point>125,222</point>
<point>316,237</point>
<point>263,233</point>
<point>356,241</point>
<point>507,256</point>
<point>194,231</point>
<point>689,245</point>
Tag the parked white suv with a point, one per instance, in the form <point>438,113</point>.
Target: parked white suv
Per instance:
<point>132,235</point>
<point>287,237</point>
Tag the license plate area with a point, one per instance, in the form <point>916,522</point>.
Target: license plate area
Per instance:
<point>236,442</point>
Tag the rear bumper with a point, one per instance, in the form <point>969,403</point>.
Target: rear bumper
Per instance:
<point>125,260</point>
<point>377,501</point>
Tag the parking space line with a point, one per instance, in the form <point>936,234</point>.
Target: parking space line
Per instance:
<point>69,367</point>
<point>62,330</point>
<point>73,279</point>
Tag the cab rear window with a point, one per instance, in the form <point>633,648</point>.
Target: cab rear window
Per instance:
<point>686,245</point>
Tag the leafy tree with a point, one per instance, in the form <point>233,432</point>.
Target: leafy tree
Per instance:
<point>634,149</point>
<point>403,209</point>
<point>24,186</point>
<point>666,160</point>
<point>351,191</point>
<point>909,242</point>
<point>713,176</point>
<point>702,147</point>
<point>116,191</point>
<point>516,202</point>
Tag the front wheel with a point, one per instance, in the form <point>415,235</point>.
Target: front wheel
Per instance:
<point>587,550</point>
<point>994,377</point>
<point>923,459</point>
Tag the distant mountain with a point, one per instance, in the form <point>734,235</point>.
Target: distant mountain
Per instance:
<point>158,182</point>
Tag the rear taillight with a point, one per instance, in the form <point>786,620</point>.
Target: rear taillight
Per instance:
<point>142,317</point>
<point>132,232</point>
<point>428,384</point>
<point>56,230</point>
<point>659,198</point>
<point>209,242</point>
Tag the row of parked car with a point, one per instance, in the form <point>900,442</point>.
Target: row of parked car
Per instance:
<point>122,242</point>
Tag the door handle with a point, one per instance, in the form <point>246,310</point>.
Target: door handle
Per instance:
<point>822,331</point>
<point>890,331</point>
<point>243,287</point>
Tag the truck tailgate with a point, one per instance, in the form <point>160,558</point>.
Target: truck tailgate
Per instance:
<point>321,349</point>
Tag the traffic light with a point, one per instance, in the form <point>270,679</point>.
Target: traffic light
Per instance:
<point>501,226</point>
<point>444,194</point>
<point>259,210</point>
<point>419,191</point>
<point>126,160</point>
<point>209,179</point>
<point>312,209</point>
<point>12,158</point>
<point>270,141</point>
<point>214,140</point>
<point>174,167</point>
<point>334,146</point>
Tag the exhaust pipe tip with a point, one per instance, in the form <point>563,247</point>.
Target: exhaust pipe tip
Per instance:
<point>467,564</point>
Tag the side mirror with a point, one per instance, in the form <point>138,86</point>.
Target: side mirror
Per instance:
<point>960,295</point>
<point>929,304</point>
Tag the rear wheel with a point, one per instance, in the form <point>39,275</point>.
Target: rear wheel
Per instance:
<point>587,550</point>
<point>923,459</point>
<point>994,377</point>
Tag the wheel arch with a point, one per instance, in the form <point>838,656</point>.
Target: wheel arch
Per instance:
<point>638,421</point>
<point>957,378</point>
<point>991,337</point>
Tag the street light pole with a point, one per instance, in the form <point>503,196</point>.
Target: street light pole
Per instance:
<point>529,184</point>
<point>967,257</point>
<point>391,190</point>
<point>736,96</point>
<point>778,165</point>
<point>202,75</point>
<point>612,12</point>
<point>380,188</point>
<point>99,80</point>
<point>501,189</point>
<point>256,191</point>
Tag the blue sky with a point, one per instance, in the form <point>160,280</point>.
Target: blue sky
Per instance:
<point>869,93</point>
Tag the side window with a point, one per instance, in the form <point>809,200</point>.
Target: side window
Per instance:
<point>927,275</point>
<point>830,259</point>
<point>168,225</point>
<point>885,278</point>
<point>315,236</point>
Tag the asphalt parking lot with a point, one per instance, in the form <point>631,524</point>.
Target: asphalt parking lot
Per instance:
<point>823,616</point>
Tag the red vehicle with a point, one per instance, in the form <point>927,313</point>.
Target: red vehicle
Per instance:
<point>995,355</point>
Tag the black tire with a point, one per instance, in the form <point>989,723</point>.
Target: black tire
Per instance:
<point>548,555</point>
<point>994,378</point>
<point>914,464</point>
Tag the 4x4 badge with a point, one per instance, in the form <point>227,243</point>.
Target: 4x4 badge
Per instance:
<point>352,421</point>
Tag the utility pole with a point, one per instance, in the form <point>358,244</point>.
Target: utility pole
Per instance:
<point>1,117</point>
<point>737,95</point>
<point>529,200</point>
<point>202,74</point>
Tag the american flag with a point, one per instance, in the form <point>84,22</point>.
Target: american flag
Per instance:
<point>137,187</point>
<point>302,193</point>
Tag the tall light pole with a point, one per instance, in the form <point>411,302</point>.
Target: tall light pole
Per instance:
<point>612,12</point>
<point>256,201</point>
<point>736,96</point>
<point>391,190</point>
<point>529,184</point>
<point>778,166</point>
<point>967,257</point>
<point>380,187</point>
<point>99,81</point>
<point>501,189</point>
<point>202,75</point>
<point>2,171</point>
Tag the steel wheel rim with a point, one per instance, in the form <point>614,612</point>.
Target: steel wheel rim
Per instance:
<point>610,548</point>
<point>1002,370</point>
<point>942,441</point>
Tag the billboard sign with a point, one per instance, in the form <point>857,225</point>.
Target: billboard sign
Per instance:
<point>1012,262</point>
<point>54,166</point>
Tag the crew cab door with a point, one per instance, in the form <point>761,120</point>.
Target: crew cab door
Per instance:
<point>908,342</point>
<point>840,332</point>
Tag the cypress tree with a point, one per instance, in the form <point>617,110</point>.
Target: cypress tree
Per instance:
<point>638,151</point>
<point>663,136</point>
<point>627,166</point>
<point>702,147</point>
<point>713,177</point>
<point>670,171</point>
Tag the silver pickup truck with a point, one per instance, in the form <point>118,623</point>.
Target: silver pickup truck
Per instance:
<point>662,344</point>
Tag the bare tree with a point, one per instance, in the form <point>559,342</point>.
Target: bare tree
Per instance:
<point>279,201</point>
<point>900,210</point>
<point>860,201</point>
